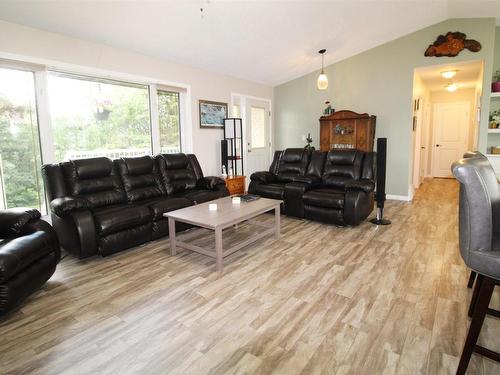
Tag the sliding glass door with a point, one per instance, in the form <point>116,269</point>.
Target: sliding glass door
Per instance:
<point>20,161</point>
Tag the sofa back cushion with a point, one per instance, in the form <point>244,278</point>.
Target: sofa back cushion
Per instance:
<point>293,163</point>
<point>176,173</point>
<point>140,178</point>
<point>94,179</point>
<point>342,166</point>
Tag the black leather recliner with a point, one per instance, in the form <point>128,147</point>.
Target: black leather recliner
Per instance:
<point>287,166</point>
<point>100,207</point>
<point>335,187</point>
<point>29,253</point>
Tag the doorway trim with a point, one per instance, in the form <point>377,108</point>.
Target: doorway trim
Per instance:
<point>242,99</point>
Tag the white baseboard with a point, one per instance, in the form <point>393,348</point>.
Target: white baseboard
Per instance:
<point>406,198</point>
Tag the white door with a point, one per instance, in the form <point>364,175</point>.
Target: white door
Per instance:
<point>451,123</point>
<point>258,143</point>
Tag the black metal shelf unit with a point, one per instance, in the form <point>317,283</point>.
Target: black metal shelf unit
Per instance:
<point>232,145</point>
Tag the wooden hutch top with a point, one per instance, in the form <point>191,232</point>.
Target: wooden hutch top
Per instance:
<point>347,130</point>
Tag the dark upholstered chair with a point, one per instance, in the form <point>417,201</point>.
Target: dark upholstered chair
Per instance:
<point>99,206</point>
<point>287,166</point>
<point>473,154</point>
<point>29,253</point>
<point>479,237</point>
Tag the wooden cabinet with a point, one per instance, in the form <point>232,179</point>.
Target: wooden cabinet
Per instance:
<point>346,130</point>
<point>235,185</point>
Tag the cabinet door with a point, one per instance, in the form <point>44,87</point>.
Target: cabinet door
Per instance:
<point>324,136</point>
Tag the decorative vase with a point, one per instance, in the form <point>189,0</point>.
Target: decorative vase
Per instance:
<point>495,86</point>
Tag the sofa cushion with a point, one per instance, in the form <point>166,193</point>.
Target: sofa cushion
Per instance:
<point>159,206</point>
<point>94,179</point>
<point>341,166</point>
<point>324,197</point>
<point>140,178</point>
<point>293,162</point>
<point>117,218</point>
<point>18,253</point>
<point>176,173</point>
<point>272,191</point>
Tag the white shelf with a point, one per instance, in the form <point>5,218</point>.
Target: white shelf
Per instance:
<point>493,155</point>
<point>494,131</point>
<point>495,95</point>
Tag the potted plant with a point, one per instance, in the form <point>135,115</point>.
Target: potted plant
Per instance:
<point>103,110</point>
<point>309,146</point>
<point>495,85</point>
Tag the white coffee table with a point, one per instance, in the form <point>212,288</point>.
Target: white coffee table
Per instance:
<point>227,215</point>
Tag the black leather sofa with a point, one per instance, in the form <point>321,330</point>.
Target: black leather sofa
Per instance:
<point>100,206</point>
<point>335,187</point>
<point>29,253</point>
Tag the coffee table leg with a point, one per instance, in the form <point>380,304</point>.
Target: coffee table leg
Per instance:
<point>277,222</point>
<point>171,236</point>
<point>218,249</point>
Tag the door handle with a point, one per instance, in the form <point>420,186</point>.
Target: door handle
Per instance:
<point>249,150</point>
<point>438,145</point>
<point>422,147</point>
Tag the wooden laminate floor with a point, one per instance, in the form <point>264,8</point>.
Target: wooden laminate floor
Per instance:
<point>321,300</point>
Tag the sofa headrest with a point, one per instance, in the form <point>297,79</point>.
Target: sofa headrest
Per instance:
<point>138,166</point>
<point>92,168</point>
<point>342,157</point>
<point>176,161</point>
<point>292,155</point>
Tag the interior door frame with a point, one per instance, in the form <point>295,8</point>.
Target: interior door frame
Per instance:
<point>434,127</point>
<point>241,99</point>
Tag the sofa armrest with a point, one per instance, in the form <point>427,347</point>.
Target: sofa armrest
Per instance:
<point>210,183</point>
<point>263,177</point>
<point>360,185</point>
<point>12,221</point>
<point>64,206</point>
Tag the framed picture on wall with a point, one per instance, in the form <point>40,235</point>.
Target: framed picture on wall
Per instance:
<point>212,114</point>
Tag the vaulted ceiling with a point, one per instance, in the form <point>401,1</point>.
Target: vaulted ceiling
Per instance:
<point>269,42</point>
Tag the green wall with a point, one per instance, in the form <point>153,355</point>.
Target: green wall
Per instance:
<point>379,81</point>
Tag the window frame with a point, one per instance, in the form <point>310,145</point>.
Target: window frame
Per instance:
<point>41,69</point>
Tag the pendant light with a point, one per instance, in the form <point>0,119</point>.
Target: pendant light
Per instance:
<point>322,78</point>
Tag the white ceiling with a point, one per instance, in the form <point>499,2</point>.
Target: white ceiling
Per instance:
<point>468,75</point>
<point>269,42</point>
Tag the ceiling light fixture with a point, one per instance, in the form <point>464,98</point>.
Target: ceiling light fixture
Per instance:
<point>322,78</point>
<point>448,74</point>
<point>451,87</point>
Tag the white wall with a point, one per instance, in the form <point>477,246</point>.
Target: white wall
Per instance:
<point>19,41</point>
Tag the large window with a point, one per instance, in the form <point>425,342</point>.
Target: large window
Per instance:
<point>60,116</point>
<point>169,121</point>
<point>93,117</point>
<point>20,161</point>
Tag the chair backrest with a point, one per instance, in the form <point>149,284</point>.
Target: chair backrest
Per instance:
<point>176,172</point>
<point>95,179</point>
<point>293,163</point>
<point>342,166</point>
<point>479,201</point>
<point>276,162</point>
<point>140,178</point>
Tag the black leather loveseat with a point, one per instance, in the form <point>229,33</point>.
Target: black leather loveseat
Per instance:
<point>335,187</point>
<point>29,253</point>
<point>100,206</point>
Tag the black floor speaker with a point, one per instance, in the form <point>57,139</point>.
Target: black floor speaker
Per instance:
<point>380,191</point>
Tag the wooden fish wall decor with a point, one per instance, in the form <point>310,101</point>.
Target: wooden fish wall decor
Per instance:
<point>451,45</point>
